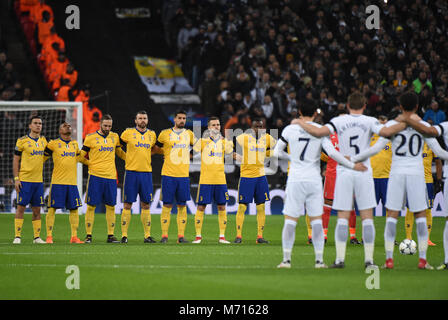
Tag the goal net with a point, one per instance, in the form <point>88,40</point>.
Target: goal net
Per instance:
<point>14,124</point>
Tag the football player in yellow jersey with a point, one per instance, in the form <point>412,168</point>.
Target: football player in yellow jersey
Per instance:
<point>253,183</point>
<point>139,142</point>
<point>212,181</point>
<point>381,167</point>
<point>101,147</point>
<point>64,191</point>
<point>27,167</point>
<point>175,143</point>
<point>428,158</point>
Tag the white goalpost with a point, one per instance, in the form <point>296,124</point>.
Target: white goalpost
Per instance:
<point>14,117</point>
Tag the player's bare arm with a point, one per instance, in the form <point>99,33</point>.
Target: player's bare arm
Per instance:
<point>415,123</point>
<point>392,130</point>
<point>120,153</point>
<point>15,170</point>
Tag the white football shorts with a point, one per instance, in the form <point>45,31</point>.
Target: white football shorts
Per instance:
<point>354,185</point>
<point>410,189</point>
<point>303,194</point>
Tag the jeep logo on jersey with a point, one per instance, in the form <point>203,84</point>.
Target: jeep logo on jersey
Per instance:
<point>67,154</point>
<point>256,149</point>
<point>143,145</point>
<point>106,149</point>
<point>215,154</point>
<point>179,145</point>
<point>37,153</point>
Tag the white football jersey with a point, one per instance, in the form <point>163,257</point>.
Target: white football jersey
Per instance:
<point>442,128</point>
<point>305,151</point>
<point>407,148</point>
<point>354,133</point>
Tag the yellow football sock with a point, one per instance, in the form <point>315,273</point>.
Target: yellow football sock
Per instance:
<point>181,220</point>
<point>125,221</point>
<point>261,219</point>
<point>74,222</point>
<point>165,220</point>
<point>409,223</point>
<point>198,220</point>
<point>429,221</point>
<point>240,219</point>
<point>308,226</point>
<point>90,218</point>
<point>146,222</point>
<point>36,227</point>
<point>18,223</point>
<point>110,219</point>
<point>222,219</point>
<point>50,221</point>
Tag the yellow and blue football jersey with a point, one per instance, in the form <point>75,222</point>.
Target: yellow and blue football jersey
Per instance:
<point>32,158</point>
<point>138,149</point>
<point>212,159</point>
<point>382,161</point>
<point>65,155</point>
<point>255,152</point>
<point>101,151</point>
<point>176,151</point>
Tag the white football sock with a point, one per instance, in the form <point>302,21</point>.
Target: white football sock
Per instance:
<point>368,236</point>
<point>288,237</point>
<point>340,237</point>
<point>422,236</point>
<point>445,241</point>
<point>389,236</point>
<point>318,239</point>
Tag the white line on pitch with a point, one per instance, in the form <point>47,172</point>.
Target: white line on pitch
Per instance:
<point>112,266</point>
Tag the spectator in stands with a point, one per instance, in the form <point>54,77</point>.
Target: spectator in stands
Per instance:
<point>44,26</point>
<point>421,82</point>
<point>27,5</point>
<point>268,108</point>
<point>434,115</point>
<point>37,10</point>
<point>69,74</point>
<point>92,125</point>
<point>399,80</point>
<point>57,68</point>
<point>63,93</point>
<point>185,34</point>
<point>208,91</point>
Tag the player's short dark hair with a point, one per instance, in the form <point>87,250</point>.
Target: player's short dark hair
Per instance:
<point>140,112</point>
<point>356,100</point>
<point>180,111</point>
<point>211,119</point>
<point>106,117</point>
<point>409,100</point>
<point>308,109</point>
<point>34,117</point>
<point>257,119</point>
<point>337,113</point>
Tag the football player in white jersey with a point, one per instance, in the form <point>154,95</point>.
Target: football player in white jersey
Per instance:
<point>304,185</point>
<point>354,133</point>
<point>435,131</point>
<point>406,180</point>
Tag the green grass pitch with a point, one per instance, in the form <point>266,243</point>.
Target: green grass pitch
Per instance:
<point>208,270</point>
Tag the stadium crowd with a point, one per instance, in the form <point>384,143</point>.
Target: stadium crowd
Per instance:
<point>37,22</point>
<point>266,58</point>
